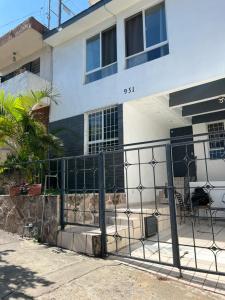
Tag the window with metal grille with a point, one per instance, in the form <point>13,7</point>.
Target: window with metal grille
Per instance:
<point>216,140</point>
<point>103,130</point>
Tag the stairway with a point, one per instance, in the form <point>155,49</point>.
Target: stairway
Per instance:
<point>87,240</point>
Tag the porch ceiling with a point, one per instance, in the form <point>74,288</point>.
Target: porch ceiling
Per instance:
<point>158,107</point>
<point>22,41</point>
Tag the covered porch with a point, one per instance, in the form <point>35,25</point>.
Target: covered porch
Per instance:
<point>191,124</point>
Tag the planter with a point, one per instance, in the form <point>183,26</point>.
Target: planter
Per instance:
<point>14,191</point>
<point>34,190</point>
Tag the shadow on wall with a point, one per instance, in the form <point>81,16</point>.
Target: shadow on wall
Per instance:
<point>15,279</point>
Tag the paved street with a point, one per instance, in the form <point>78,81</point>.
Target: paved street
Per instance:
<point>32,271</point>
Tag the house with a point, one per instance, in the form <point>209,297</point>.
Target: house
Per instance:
<point>25,64</point>
<point>25,59</point>
<point>139,70</point>
<point>137,78</point>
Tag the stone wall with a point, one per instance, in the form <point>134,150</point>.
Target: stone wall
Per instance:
<point>42,212</point>
<point>84,208</point>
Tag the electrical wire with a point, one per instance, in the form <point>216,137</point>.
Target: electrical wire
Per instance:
<point>42,12</point>
<point>19,19</point>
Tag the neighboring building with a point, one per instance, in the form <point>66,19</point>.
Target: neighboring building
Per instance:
<point>25,64</point>
<point>25,59</point>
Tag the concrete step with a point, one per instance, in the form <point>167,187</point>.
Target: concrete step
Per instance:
<point>132,222</point>
<point>80,239</point>
<point>86,240</point>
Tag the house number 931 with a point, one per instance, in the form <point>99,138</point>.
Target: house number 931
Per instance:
<point>129,90</point>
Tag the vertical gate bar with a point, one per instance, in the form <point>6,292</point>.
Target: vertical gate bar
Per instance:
<point>172,207</point>
<point>62,194</point>
<point>101,186</point>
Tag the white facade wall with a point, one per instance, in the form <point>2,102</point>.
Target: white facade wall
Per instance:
<point>141,124</point>
<point>197,55</point>
<point>24,83</point>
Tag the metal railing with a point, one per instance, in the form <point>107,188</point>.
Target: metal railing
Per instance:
<point>130,194</point>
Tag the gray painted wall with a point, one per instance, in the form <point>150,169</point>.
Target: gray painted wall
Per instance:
<point>71,131</point>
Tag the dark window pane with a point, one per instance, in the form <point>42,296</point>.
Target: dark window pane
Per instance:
<point>35,66</point>
<point>107,71</point>
<point>134,35</point>
<point>147,56</point>
<point>95,126</point>
<point>109,50</point>
<point>93,53</point>
<point>111,123</point>
<point>217,154</point>
<point>98,126</point>
<point>216,140</point>
<point>155,23</point>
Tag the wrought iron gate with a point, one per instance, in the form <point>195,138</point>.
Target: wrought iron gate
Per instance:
<point>143,211</point>
<point>158,222</point>
<point>129,231</point>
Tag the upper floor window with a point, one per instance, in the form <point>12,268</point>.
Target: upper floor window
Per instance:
<point>146,36</point>
<point>216,140</point>
<point>101,55</point>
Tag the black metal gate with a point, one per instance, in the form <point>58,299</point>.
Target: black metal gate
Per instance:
<point>143,211</point>
<point>158,222</point>
<point>140,227</point>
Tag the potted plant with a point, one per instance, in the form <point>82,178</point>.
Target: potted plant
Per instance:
<point>35,189</point>
<point>27,137</point>
<point>24,187</point>
<point>14,190</point>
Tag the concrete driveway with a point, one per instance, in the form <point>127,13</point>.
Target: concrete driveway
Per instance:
<point>32,271</point>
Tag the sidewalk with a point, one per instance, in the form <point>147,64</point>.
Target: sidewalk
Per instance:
<point>32,271</point>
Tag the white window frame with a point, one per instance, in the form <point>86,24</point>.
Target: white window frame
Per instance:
<point>87,128</point>
<point>147,49</point>
<point>211,133</point>
<point>100,53</point>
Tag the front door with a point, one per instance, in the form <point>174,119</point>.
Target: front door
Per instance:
<point>183,154</point>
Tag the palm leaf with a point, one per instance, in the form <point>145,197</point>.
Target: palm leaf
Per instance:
<point>26,137</point>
